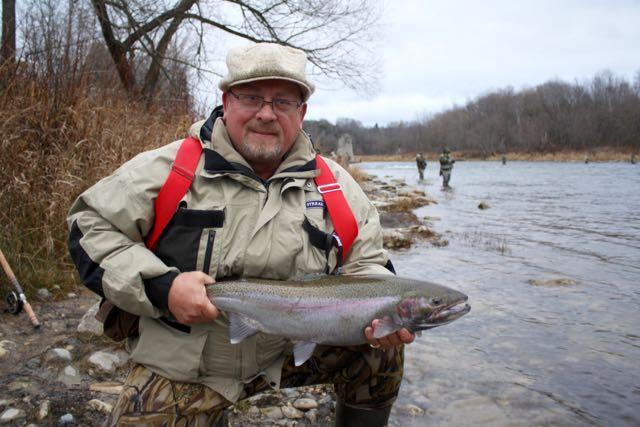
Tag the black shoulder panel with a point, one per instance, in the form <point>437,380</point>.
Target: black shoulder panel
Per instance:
<point>90,271</point>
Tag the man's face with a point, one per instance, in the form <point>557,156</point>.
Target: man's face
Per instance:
<point>264,136</point>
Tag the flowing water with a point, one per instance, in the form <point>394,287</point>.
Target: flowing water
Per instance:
<point>529,353</point>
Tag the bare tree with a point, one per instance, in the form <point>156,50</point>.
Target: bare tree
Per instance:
<point>333,33</point>
<point>8,49</point>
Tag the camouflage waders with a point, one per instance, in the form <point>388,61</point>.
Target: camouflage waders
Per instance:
<point>363,377</point>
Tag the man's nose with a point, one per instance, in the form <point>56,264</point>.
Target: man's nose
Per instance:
<point>266,112</point>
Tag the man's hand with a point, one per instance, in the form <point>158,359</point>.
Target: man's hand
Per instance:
<point>188,301</point>
<point>403,336</point>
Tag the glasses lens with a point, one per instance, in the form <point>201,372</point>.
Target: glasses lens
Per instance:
<point>284,105</point>
<point>250,101</point>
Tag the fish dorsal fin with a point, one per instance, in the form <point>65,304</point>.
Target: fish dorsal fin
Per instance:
<point>302,351</point>
<point>240,328</point>
<point>385,327</point>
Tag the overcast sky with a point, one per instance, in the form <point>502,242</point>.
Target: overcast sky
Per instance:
<point>435,54</point>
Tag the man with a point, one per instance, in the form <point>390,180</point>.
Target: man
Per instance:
<point>446,165</point>
<point>242,217</point>
<point>422,165</point>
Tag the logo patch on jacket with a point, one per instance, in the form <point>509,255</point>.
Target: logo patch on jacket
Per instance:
<point>315,204</point>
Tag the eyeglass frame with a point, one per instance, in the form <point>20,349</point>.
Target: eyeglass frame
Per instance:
<point>297,104</point>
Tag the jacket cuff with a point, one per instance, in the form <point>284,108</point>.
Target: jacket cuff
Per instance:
<point>157,289</point>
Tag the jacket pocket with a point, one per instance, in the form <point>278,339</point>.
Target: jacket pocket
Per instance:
<point>180,243</point>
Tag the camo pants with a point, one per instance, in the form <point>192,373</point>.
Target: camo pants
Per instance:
<point>363,377</point>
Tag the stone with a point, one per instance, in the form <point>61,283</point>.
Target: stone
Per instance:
<point>552,282</point>
<point>72,295</point>
<point>43,410</point>
<point>3,352</point>
<point>89,324</point>
<point>272,412</point>
<point>70,376</point>
<point>107,387</point>
<point>33,363</point>
<point>291,412</point>
<point>100,406</point>
<point>305,403</point>
<point>58,354</point>
<point>66,419</point>
<point>11,415</point>
<point>411,410</point>
<point>312,416</point>
<point>483,205</point>
<point>43,294</point>
<point>106,361</point>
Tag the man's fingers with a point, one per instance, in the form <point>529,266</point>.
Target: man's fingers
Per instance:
<point>210,312</point>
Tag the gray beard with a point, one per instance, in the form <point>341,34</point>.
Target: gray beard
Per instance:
<point>254,153</point>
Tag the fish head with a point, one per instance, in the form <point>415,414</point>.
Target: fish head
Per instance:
<point>425,309</point>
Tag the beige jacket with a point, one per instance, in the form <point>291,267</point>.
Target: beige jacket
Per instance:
<point>231,223</point>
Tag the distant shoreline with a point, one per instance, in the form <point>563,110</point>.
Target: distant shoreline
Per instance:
<point>600,155</point>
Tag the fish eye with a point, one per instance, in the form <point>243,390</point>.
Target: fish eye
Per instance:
<point>436,301</point>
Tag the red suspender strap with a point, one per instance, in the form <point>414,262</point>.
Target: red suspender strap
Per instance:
<point>344,223</point>
<point>174,188</point>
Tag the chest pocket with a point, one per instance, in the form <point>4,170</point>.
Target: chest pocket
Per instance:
<point>188,241</point>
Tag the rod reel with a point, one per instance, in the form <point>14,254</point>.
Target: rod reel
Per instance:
<point>13,302</point>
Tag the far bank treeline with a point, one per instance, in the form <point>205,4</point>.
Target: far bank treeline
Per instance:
<point>553,117</point>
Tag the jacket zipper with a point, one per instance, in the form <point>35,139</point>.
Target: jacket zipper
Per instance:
<point>207,253</point>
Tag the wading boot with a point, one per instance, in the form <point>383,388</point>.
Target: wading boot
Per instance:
<point>347,416</point>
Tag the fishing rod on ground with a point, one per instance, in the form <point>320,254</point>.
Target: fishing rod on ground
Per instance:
<point>16,300</point>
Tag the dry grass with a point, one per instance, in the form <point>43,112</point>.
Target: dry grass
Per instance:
<point>56,142</point>
<point>358,174</point>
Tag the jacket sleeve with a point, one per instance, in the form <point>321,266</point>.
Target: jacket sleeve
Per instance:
<point>366,255</point>
<point>107,225</point>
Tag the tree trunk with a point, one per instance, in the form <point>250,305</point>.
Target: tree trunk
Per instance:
<point>8,50</point>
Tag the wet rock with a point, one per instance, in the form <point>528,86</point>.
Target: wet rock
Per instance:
<point>291,412</point>
<point>107,361</point>
<point>100,406</point>
<point>552,282</point>
<point>70,376</point>
<point>3,352</point>
<point>393,239</point>
<point>33,363</point>
<point>66,419</point>
<point>107,387</point>
<point>272,412</point>
<point>72,295</point>
<point>43,410</point>
<point>483,205</point>
<point>89,324</point>
<point>43,294</point>
<point>58,355</point>
<point>411,410</point>
<point>290,392</point>
<point>11,415</point>
<point>253,411</point>
<point>312,416</point>
<point>305,403</point>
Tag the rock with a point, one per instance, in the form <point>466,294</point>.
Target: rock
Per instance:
<point>34,363</point>
<point>3,352</point>
<point>89,324</point>
<point>66,419</point>
<point>483,205</point>
<point>8,345</point>
<point>393,239</point>
<point>58,354</point>
<point>411,410</point>
<point>106,361</point>
<point>70,376</point>
<point>552,282</point>
<point>272,412</point>
<point>291,412</point>
<point>43,410</point>
<point>11,415</point>
<point>290,392</point>
<point>312,416</point>
<point>100,406</point>
<point>72,295</point>
<point>253,411</point>
<point>305,403</point>
<point>43,294</point>
<point>107,387</point>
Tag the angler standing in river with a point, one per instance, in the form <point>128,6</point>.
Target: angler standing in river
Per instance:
<point>446,166</point>
<point>422,165</point>
<point>256,208</point>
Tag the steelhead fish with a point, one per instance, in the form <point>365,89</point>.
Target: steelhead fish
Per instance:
<point>334,310</point>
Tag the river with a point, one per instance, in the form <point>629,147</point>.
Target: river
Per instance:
<point>565,354</point>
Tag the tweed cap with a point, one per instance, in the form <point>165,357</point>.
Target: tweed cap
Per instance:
<point>263,61</point>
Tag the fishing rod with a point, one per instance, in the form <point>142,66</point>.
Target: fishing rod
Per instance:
<point>16,300</point>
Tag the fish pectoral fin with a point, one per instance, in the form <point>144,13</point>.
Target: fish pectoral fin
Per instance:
<point>240,328</point>
<point>385,327</point>
<point>302,351</point>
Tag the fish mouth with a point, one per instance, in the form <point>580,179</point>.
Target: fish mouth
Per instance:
<point>445,314</point>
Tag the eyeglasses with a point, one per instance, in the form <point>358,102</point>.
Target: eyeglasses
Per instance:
<point>255,103</point>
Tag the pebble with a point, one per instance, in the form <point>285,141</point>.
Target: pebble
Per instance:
<point>43,410</point>
<point>59,354</point>
<point>43,294</point>
<point>89,324</point>
<point>312,416</point>
<point>272,412</point>
<point>411,410</point>
<point>105,361</point>
<point>34,363</point>
<point>291,412</point>
<point>11,414</point>
<point>66,419</point>
<point>305,403</point>
<point>3,352</point>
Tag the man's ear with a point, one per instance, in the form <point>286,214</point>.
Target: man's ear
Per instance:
<point>303,111</point>
<point>225,102</point>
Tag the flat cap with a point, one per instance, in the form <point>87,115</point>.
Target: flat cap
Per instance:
<point>263,61</point>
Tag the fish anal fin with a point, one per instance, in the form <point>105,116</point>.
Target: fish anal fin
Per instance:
<point>385,327</point>
<point>240,328</point>
<point>302,351</point>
